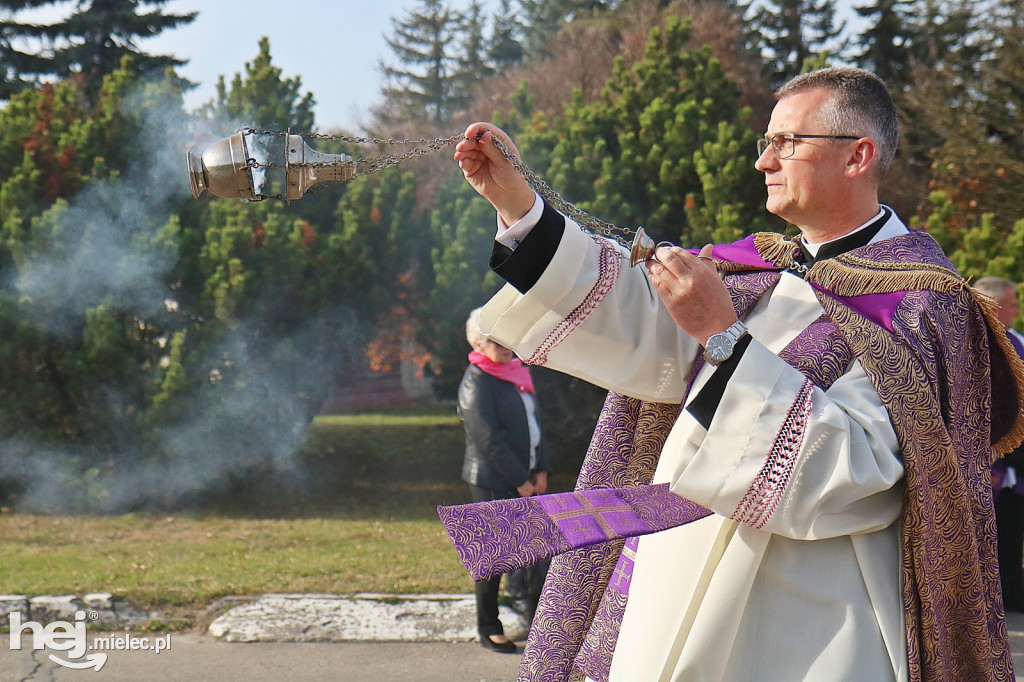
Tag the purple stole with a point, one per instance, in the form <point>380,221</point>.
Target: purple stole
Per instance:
<point>592,533</point>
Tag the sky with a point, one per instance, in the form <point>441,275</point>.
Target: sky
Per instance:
<point>333,46</point>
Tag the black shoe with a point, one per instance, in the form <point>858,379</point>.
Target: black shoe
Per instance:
<point>508,647</point>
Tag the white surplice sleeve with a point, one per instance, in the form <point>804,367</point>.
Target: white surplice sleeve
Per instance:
<point>593,316</point>
<point>784,456</point>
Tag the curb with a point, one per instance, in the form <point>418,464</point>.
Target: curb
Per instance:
<point>358,617</point>
<point>100,608</point>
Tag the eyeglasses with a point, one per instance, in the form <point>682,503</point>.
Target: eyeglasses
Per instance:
<point>784,144</point>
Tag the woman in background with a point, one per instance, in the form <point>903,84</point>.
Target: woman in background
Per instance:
<point>503,457</point>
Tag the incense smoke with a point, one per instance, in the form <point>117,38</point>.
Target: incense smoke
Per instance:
<point>262,387</point>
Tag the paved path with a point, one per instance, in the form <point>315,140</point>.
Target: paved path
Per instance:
<point>203,656</point>
<point>198,657</point>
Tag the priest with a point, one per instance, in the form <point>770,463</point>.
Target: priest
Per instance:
<point>834,401</point>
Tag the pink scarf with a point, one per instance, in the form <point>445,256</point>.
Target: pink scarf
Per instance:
<point>514,371</point>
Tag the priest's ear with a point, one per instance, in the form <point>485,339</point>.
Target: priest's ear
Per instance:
<point>863,157</point>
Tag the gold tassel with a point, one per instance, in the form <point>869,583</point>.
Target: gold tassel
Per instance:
<point>776,248</point>
<point>848,275</point>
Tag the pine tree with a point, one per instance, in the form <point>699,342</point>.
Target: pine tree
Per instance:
<point>425,45</point>
<point>1003,102</point>
<point>886,42</point>
<point>19,67</point>
<point>262,98</point>
<point>544,19</point>
<point>790,33</point>
<point>505,47</point>
<point>75,349</point>
<point>473,65</point>
<point>944,34</point>
<point>99,34</point>
<point>667,146</point>
<point>967,109</point>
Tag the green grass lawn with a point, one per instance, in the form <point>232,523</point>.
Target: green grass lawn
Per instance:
<point>190,561</point>
<point>356,513</point>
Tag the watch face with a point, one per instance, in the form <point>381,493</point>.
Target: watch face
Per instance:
<point>719,348</point>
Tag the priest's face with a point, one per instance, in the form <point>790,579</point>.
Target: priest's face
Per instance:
<point>803,188</point>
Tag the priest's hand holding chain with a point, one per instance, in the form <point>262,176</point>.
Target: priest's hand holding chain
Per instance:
<point>491,174</point>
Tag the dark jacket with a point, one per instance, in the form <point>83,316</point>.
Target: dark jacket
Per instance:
<point>497,433</point>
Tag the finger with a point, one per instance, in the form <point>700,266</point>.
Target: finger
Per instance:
<point>663,254</point>
<point>469,166</point>
<point>496,155</point>
<point>487,139</point>
<point>676,259</point>
<point>466,149</point>
<point>475,153</point>
<point>475,131</point>
<point>706,257</point>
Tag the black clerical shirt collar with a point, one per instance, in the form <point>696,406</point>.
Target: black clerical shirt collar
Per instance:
<point>849,242</point>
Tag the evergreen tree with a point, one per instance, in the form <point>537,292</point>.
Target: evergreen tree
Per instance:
<point>667,147</point>
<point>886,41</point>
<point>262,98</point>
<point>505,47</point>
<point>425,45</point>
<point>473,67</point>
<point>19,67</point>
<point>1002,104</point>
<point>75,256</point>
<point>790,33</point>
<point>139,330</point>
<point>544,19</point>
<point>99,34</point>
<point>967,111</point>
<point>944,34</point>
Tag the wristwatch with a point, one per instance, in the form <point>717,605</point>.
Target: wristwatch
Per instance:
<point>720,346</point>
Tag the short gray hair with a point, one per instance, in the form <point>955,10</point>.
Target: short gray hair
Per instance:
<point>473,333</point>
<point>996,287</point>
<point>860,105</point>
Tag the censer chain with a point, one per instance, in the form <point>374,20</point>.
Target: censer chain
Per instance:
<point>368,165</point>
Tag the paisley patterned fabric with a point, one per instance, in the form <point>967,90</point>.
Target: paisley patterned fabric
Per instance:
<point>623,452</point>
<point>820,353</point>
<point>595,657</point>
<point>932,373</point>
<point>747,288</point>
<point>952,602</point>
<point>499,536</point>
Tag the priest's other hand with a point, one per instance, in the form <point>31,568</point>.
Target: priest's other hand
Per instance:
<point>692,291</point>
